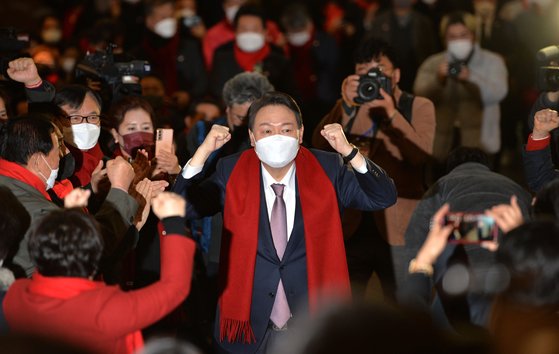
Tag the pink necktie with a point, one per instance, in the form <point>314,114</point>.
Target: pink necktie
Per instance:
<point>278,224</point>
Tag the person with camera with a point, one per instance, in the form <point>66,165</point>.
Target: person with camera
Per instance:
<point>467,83</point>
<point>396,129</point>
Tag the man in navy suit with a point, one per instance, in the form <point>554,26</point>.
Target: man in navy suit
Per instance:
<point>279,188</point>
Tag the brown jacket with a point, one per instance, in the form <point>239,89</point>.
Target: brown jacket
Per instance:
<point>401,149</point>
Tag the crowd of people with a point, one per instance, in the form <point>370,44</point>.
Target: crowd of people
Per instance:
<point>320,154</point>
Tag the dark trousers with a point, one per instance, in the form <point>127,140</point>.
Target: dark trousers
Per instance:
<point>367,252</point>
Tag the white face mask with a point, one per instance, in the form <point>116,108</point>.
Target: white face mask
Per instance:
<point>84,136</point>
<point>250,41</point>
<point>460,48</point>
<point>298,39</point>
<point>166,28</point>
<point>277,150</point>
<point>52,177</point>
<point>230,13</point>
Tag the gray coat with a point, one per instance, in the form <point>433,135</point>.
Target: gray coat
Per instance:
<point>115,218</point>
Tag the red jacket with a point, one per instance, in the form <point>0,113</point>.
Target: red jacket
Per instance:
<point>97,316</point>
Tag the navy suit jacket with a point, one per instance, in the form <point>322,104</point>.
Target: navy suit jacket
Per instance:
<point>370,191</point>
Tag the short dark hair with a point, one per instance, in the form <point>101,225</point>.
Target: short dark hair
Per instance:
<point>149,5</point>
<point>245,87</point>
<point>547,201</point>
<point>24,136</point>
<point>14,222</point>
<point>463,154</point>
<point>126,104</point>
<point>66,243</point>
<point>274,98</point>
<point>74,95</point>
<point>250,10</point>
<point>531,254</point>
<point>372,48</point>
<point>458,17</point>
<point>295,17</point>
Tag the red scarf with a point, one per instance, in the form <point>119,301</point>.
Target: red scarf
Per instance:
<point>326,262</point>
<point>86,162</point>
<point>16,171</point>
<point>246,60</point>
<point>68,287</point>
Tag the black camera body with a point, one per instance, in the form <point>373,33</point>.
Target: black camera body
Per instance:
<point>548,68</point>
<point>454,69</point>
<point>122,77</point>
<point>370,85</point>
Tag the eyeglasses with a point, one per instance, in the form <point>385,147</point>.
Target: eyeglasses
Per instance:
<point>77,119</point>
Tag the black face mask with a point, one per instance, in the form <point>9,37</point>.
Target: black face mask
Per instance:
<point>66,167</point>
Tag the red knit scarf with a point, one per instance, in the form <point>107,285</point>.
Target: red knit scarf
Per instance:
<point>65,288</point>
<point>16,171</point>
<point>326,263</point>
<point>246,60</point>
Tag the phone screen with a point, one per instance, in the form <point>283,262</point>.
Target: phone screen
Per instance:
<point>471,227</point>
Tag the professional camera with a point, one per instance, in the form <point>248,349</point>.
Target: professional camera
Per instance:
<point>370,85</point>
<point>11,46</point>
<point>123,78</point>
<point>454,68</point>
<point>548,68</point>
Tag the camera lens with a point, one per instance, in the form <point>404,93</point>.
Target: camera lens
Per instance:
<point>368,90</point>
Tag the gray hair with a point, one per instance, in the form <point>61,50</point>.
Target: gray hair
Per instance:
<point>245,87</point>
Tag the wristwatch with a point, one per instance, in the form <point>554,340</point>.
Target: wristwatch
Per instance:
<point>352,154</point>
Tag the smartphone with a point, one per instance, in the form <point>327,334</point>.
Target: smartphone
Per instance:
<point>471,227</point>
<point>163,141</point>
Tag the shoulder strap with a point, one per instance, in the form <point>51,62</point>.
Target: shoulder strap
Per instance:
<point>405,105</point>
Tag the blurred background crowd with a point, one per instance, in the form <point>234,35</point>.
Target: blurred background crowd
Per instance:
<point>454,99</point>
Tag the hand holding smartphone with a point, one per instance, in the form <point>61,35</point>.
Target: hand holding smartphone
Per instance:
<point>163,141</point>
<point>471,228</point>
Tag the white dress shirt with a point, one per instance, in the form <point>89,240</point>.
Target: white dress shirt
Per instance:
<point>288,195</point>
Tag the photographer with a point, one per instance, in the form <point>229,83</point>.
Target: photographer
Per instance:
<point>395,129</point>
<point>466,83</point>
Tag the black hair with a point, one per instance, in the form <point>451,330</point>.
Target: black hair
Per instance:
<point>6,97</point>
<point>352,329</point>
<point>74,95</point>
<point>372,48</point>
<point>14,222</point>
<point>22,137</point>
<point>295,17</point>
<point>250,10</point>
<point>149,5</point>
<point>547,201</point>
<point>531,254</point>
<point>66,243</point>
<point>274,98</point>
<point>463,154</point>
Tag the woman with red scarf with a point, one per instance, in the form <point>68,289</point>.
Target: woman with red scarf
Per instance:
<point>63,302</point>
